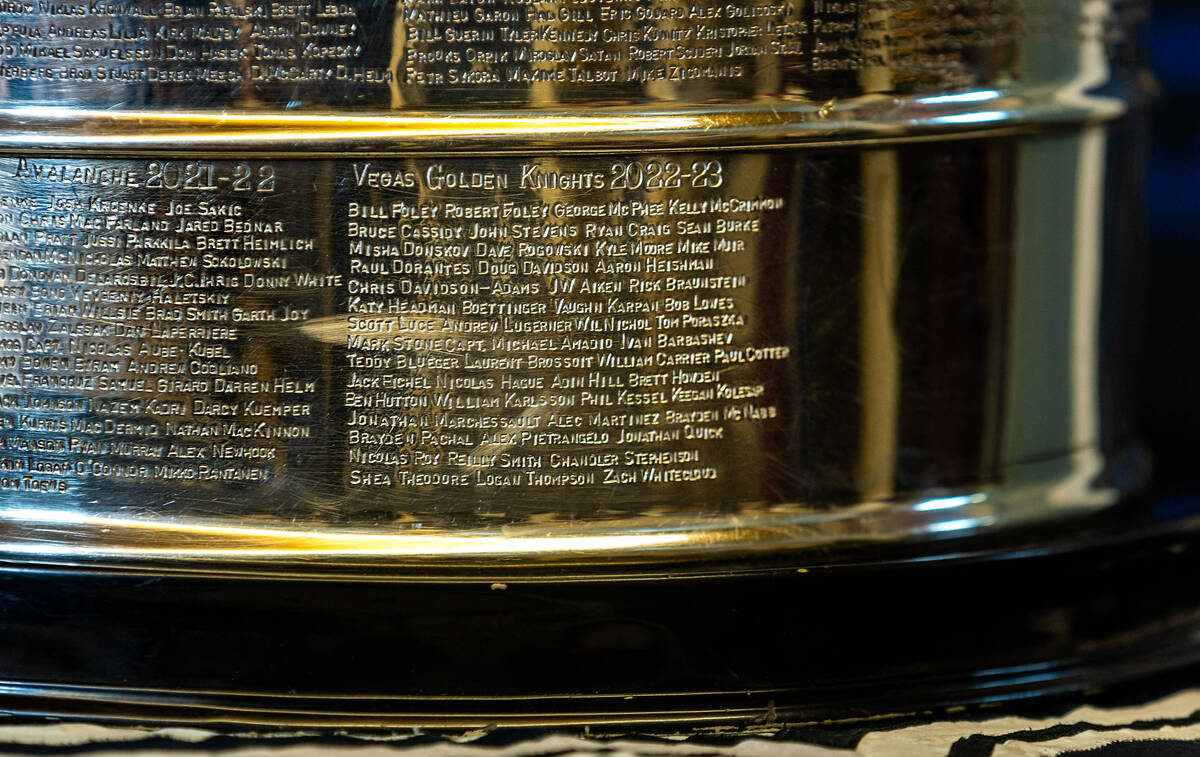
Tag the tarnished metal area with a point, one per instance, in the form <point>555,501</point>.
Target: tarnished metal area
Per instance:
<point>467,285</point>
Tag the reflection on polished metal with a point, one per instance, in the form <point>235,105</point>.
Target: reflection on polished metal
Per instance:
<point>462,362</point>
<point>429,285</point>
<point>501,284</point>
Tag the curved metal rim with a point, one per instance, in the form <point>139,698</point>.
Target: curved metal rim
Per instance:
<point>773,122</point>
<point>1051,489</point>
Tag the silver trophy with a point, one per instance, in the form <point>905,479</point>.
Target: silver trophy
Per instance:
<point>554,288</point>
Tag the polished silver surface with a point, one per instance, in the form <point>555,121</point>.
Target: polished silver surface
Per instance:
<point>301,286</point>
<point>562,74</point>
<point>361,55</point>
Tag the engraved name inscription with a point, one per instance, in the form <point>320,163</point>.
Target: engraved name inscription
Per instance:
<point>585,332</point>
<point>445,53</point>
<point>388,326</point>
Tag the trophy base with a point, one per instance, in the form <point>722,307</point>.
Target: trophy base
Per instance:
<point>948,623</point>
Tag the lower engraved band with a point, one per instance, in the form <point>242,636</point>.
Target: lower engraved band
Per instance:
<point>447,357</point>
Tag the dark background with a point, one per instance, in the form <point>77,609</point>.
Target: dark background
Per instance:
<point>1169,377</point>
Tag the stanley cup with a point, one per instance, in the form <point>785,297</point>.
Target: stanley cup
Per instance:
<point>325,323</point>
<point>435,283</point>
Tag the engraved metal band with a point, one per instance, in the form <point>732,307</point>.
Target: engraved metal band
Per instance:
<point>400,322</point>
<point>512,74</point>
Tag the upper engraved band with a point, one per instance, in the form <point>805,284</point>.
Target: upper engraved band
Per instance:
<point>501,75</point>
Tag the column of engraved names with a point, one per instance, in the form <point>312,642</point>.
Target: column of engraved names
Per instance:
<point>126,316</point>
<point>513,43</point>
<point>573,335</point>
<point>124,42</point>
<point>598,43</point>
<point>911,45</point>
